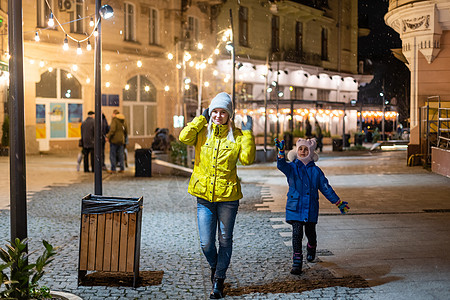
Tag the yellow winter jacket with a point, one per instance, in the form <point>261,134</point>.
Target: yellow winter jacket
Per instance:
<point>214,177</point>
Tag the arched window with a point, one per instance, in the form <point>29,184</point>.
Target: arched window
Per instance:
<point>70,87</point>
<point>139,105</point>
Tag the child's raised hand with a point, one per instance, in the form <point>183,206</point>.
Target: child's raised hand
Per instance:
<point>280,146</point>
<point>343,206</point>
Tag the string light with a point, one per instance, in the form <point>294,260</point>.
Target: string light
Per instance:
<point>166,88</point>
<point>88,80</point>
<point>79,51</point>
<point>36,37</point>
<point>170,56</point>
<point>107,67</point>
<point>66,44</point>
<point>127,87</point>
<point>139,63</point>
<point>51,22</point>
<point>75,68</point>
<point>91,22</point>
<point>95,32</point>
<point>50,69</point>
<point>88,47</point>
<point>108,84</point>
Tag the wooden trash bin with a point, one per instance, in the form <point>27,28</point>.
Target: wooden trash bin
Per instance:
<point>110,235</point>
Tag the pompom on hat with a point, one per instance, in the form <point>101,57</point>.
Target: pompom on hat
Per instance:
<point>311,144</point>
<point>222,100</point>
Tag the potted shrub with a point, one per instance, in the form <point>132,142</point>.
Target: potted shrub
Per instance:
<point>22,282</point>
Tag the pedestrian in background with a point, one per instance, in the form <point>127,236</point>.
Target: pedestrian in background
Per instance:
<point>87,140</point>
<point>214,181</point>
<point>105,130</point>
<point>116,136</point>
<point>305,179</point>
<point>319,136</point>
<point>308,129</point>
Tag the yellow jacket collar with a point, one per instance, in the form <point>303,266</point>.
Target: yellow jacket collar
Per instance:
<point>219,131</point>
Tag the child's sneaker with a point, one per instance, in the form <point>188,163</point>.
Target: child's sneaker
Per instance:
<point>297,264</point>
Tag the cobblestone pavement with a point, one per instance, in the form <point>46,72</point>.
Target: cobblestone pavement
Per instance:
<point>375,252</point>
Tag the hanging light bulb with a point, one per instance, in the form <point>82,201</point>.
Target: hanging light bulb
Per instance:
<point>36,37</point>
<point>139,63</point>
<point>96,32</point>
<point>51,22</point>
<point>88,47</point>
<point>170,56</point>
<point>166,88</point>
<point>91,22</point>
<point>79,51</point>
<point>66,44</point>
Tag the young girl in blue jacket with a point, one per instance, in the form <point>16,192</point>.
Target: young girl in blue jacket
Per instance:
<point>305,179</point>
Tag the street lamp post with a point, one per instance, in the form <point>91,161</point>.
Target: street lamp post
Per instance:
<point>105,12</point>
<point>18,187</point>
<point>233,62</point>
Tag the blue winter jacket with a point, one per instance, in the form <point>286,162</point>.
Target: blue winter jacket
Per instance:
<point>304,185</point>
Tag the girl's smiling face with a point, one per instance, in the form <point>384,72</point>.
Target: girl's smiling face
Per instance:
<point>219,116</point>
<point>303,151</point>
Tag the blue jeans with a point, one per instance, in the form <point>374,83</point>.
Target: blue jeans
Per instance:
<point>116,151</point>
<point>213,216</point>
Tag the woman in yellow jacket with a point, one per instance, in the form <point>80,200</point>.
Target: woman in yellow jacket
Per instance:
<point>214,181</point>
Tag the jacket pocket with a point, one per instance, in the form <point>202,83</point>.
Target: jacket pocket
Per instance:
<point>199,184</point>
<point>292,200</point>
<point>224,188</point>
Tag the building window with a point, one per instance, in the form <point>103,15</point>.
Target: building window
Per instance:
<point>139,105</point>
<point>243,26</point>
<point>43,12</point>
<point>297,93</point>
<point>70,87</point>
<point>77,17</point>
<point>323,95</point>
<point>153,26</point>
<point>129,22</point>
<point>191,32</point>
<point>275,33</point>
<point>324,44</point>
<point>299,38</point>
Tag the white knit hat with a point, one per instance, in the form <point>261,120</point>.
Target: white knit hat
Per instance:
<point>222,100</point>
<point>312,156</point>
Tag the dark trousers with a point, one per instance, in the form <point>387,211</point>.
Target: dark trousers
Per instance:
<point>297,234</point>
<point>86,153</point>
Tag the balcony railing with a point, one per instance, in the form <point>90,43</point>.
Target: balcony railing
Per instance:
<point>393,4</point>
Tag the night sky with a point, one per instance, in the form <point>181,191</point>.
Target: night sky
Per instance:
<point>375,49</point>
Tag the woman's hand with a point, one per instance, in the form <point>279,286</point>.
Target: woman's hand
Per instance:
<point>248,125</point>
<point>206,114</point>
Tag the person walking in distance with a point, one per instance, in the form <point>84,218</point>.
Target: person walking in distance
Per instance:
<point>116,136</point>
<point>305,180</point>
<point>105,130</point>
<point>87,138</point>
<point>214,181</point>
